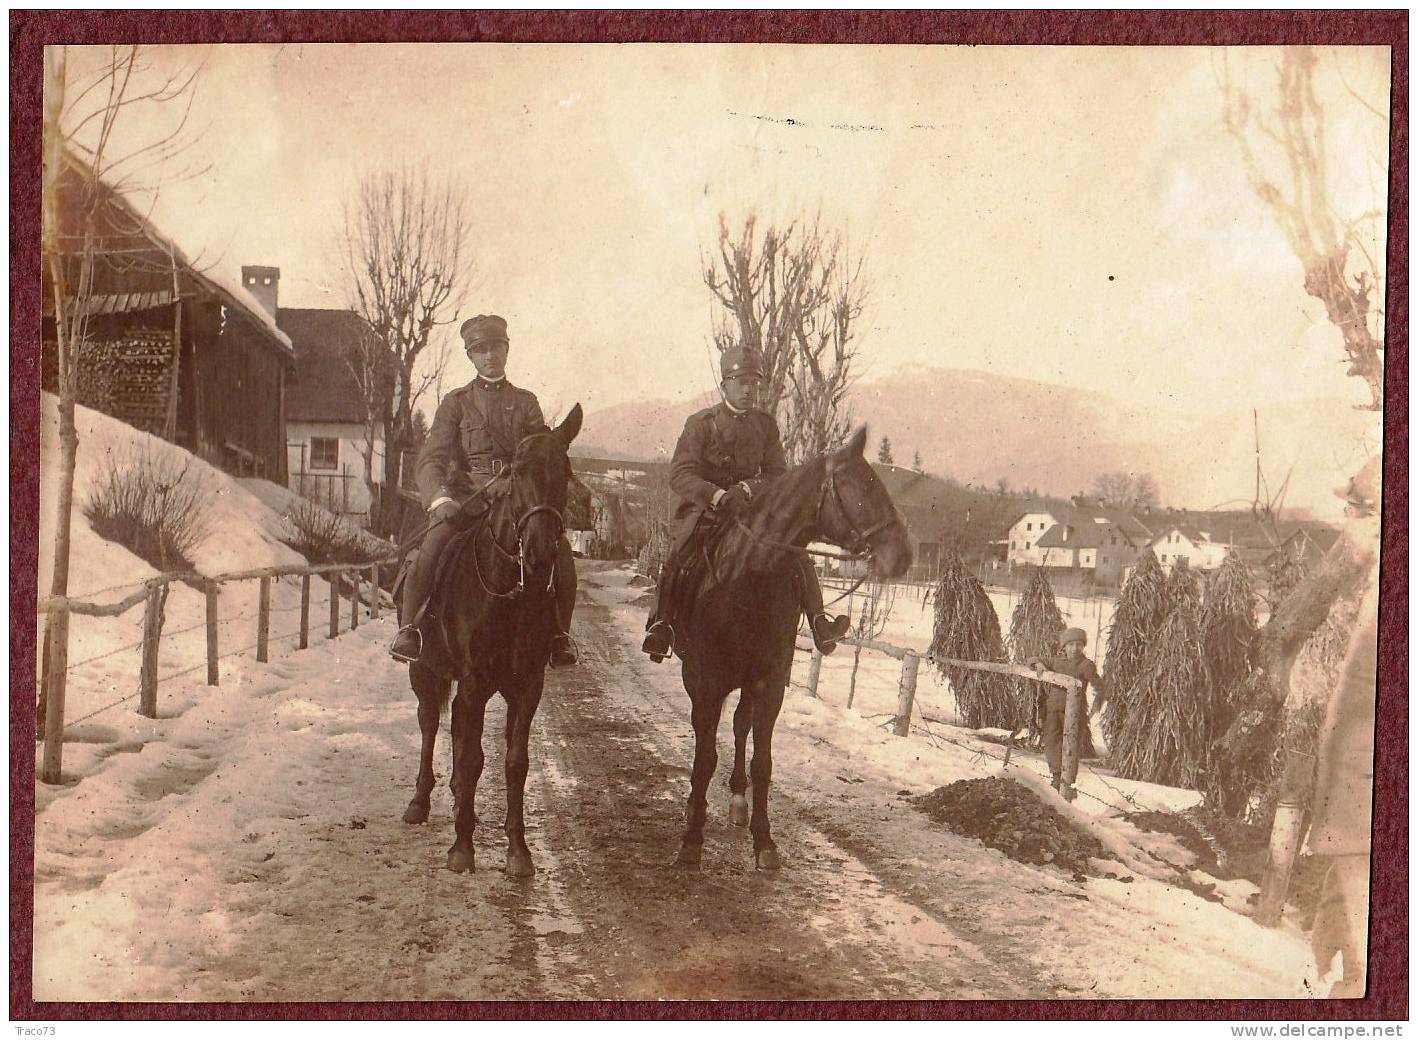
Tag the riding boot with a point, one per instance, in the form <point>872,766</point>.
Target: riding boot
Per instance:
<point>563,647</point>
<point>408,644</point>
<point>659,636</point>
<point>826,629</point>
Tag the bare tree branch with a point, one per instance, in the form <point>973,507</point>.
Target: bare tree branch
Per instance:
<point>405,244</point>
<point>790,293</point>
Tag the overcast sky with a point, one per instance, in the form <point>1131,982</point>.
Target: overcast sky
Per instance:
<point>1064,214</point>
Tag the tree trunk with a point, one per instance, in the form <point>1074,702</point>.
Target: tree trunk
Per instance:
<point>393,458</point>
<point>1302,612</point>
<point>59,576</point>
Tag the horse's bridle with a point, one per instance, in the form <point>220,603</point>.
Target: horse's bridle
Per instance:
<point>860,545</point>
<point>520,556</point>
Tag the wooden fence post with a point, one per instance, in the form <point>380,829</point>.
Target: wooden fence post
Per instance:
<point>263,621</point>
<point>814,671</point>
<point>152,633</point>
<point>213,677</point>
<point>51,769</point>
<point>1280,861</point>
<point>374,591</point>
<point>304,612</point>
<point>1285,834</point>
<point>354,600</point>
<point>1073,718</point>
<point>906,696</point>
<point>334,604</point>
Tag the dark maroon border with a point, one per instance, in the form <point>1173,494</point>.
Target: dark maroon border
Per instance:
<point>30,31</point>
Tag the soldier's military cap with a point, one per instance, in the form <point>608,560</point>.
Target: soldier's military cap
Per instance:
<point>483,328</point>
<point>1073,635</point>
<point>739,361</point>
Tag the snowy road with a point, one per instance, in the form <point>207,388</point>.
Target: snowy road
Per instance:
<point>249,847</point>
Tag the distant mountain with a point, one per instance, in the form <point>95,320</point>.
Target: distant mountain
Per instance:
<point>978,427</point>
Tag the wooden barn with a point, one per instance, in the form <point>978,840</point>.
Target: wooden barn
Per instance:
<point>172,348</point>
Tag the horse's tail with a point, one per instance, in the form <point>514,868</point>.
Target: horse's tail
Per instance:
<point>431,688</point>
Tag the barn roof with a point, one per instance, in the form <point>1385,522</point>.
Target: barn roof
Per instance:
<point>324,388</point>
<point>216,280</point>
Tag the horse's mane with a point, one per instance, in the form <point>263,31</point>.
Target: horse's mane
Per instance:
<point>781,514</point>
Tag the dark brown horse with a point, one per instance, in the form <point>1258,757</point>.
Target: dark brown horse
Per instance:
<point>743,625</point>
<point>489,626</point>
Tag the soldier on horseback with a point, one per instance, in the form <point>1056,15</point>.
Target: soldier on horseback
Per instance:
<point>724,456</point>
<point>474,436</point>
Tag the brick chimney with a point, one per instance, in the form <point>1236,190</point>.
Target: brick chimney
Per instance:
<point>263,283</point>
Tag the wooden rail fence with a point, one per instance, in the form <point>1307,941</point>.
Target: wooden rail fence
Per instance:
<point>906,693</point>
<point>154,595</point>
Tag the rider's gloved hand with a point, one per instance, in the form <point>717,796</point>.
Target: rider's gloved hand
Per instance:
<point>732,503</point>
<point>444,509</point>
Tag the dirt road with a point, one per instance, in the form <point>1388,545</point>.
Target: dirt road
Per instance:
<point>327,895</point>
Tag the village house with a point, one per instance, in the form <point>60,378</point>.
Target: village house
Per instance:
<point>173,348</point>
<point>1028,529</point>
<point>1081,536</point>
<point>1185,544</point>
<point>930,506</point>
<point>327,432</point>
<point>1201,541</point>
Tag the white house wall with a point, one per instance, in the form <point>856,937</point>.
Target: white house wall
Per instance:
<point>341,489</point>
<point>1028,530</point>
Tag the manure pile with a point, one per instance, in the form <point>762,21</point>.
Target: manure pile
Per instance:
<point>1009,817</point>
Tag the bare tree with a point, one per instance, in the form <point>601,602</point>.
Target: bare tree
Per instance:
<point>87,161</point>
<point>1285,149</point>
<point>794,294</point>
<point>1126,491</point>
<point>872,616</point>
<point>406,249</point>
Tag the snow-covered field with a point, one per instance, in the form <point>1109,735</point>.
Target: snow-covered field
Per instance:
<point>176,846</point>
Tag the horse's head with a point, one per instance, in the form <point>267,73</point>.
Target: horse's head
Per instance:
<point>535,491</point>
<point>856,512</point>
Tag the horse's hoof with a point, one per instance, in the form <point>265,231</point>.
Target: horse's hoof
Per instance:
<point>519,864</point>
<point>738,810</point>
<point>689,856</point>
<point>417,812</point>
<point>460,861</point>
<point>767,859</point>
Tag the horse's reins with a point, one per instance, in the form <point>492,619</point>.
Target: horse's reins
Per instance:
<point>860,548</point>
<point>520,556</point>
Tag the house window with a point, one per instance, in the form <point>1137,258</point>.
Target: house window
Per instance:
<point>1181,560</point>
<point>1028,527</point>
<point>1164,557</point>
<point>324,453</point>
<point>1011,547</point>
<point>1026,545</point>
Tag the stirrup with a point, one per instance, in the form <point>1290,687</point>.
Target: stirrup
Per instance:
<point>834,630</point>
<point>403,656</point>
<point>653,645</point>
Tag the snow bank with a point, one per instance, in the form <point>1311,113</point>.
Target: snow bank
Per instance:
<point>243,533</point>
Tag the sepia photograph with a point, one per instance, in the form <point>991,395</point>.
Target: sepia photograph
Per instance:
<point>782,522</point>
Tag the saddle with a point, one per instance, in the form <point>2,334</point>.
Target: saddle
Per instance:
<point>692,578</point>
<point>447,562</point>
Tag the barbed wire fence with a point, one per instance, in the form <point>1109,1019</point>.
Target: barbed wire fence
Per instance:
<point>344,578</point>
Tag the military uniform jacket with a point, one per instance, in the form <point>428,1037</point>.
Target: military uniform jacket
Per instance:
<point>476,428</point>
<point>718,449</point>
